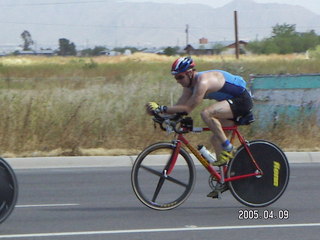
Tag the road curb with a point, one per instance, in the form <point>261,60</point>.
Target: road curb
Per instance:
<point>303,157</point>
<point>70,162</point>
<point>119,161</point>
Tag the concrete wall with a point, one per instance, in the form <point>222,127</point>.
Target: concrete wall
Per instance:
<point>293,97</point>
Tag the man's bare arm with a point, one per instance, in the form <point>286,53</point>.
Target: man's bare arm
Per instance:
<point>187,104</point>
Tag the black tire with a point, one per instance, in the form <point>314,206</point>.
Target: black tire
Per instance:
<point>259,191</point>
<point>8,190</point>
<point>150,183</point>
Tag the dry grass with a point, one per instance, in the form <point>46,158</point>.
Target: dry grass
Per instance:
<point>95,106</point>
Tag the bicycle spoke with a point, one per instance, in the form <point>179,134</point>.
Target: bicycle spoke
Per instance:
<point>159,186</point>
<point>152,170</point>
<point>4,207</point>
<point>171,179</point>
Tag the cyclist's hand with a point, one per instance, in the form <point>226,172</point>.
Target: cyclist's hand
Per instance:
<point>153,107</point>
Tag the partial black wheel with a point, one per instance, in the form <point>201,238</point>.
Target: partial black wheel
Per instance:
<point>259,191</point>
<point>8,190</point>
<point>153,185</point>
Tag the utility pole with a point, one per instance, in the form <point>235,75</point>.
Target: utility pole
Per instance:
<point>236,34</point>
<point>187,34</point>
<point>187,38</point>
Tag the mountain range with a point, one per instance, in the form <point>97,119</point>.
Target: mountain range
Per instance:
<point>121,23</point>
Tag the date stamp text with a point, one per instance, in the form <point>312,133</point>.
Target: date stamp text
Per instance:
<point>255,214</point>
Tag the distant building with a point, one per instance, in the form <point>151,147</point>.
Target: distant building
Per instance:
<point>231,48</point>
<point>204,47</point>
<point>47,52</point>
<point>105,52</point>
<point>154,50</point>
<point>203,40</point>
<point>27,52</point>
<point>200,49</point>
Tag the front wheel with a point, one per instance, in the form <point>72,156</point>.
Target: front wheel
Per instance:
<point>151,182</point>
<point>261,190</point>
<point>8,190</point>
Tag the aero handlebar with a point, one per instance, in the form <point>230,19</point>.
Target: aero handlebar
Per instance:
<point>174,123</point>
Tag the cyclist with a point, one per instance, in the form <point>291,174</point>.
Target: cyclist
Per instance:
<point>233,101</point>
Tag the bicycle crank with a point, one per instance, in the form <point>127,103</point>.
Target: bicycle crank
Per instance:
<point>217,188</point>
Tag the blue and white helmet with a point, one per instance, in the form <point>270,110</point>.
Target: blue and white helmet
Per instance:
<point>182,65</point>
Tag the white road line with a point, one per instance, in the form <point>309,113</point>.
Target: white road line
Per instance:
<point>63,234</point>
<point>47,205</point>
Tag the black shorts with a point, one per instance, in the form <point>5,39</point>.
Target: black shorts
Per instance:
<point>241,105</point>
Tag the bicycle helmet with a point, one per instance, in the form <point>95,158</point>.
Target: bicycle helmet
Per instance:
<point>181,65</point>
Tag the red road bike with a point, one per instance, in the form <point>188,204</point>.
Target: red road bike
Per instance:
<point>163,175</point>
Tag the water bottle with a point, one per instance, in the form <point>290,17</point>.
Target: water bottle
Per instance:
<point>206,154</point>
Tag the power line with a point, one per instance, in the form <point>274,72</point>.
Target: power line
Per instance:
<point>243,30</point>
<point>90,26</point>
<point>97,26</point>
<point>53,3</point>
<point>248,28</point>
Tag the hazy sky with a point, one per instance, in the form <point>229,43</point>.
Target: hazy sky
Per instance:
<point>313,5</point>
<point>12,25</point>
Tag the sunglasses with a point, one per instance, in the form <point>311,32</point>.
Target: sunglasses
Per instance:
<point>179,77</point>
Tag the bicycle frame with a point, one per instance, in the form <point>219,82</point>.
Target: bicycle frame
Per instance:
<point>218,176</point>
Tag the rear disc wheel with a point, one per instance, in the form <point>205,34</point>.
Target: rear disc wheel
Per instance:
<point>265,189</point>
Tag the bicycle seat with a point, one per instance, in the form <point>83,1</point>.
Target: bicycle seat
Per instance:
<point>245,120</point>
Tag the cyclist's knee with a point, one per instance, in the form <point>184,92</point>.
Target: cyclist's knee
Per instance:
<point>205,114</point>
<point>208,115</point>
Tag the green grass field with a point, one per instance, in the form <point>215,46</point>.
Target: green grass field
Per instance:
<point>95,106</point>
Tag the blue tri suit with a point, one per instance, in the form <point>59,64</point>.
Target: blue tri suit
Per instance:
<point>233,87</point>
<point>235,93</point>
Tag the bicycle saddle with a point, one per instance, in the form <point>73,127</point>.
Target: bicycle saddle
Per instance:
<point>245,120</point>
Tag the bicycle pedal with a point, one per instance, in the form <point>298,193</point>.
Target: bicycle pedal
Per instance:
<point>218,192</point>
<point>213,194</point>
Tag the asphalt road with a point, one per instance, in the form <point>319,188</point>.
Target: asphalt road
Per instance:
<point>98,203</point>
